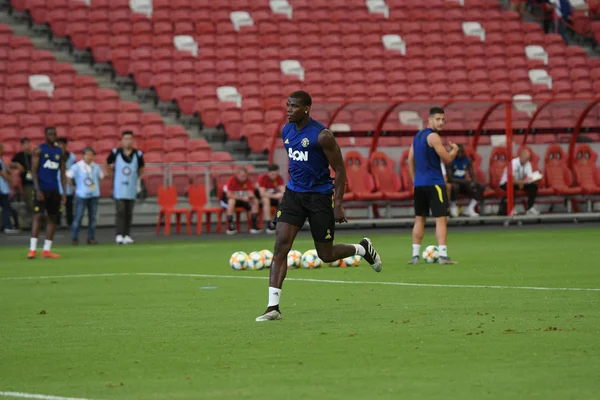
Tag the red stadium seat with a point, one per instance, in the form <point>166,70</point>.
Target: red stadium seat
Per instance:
<point>387,181</point>
<point>557,174</point>
<point>587,175</point>
<point>360,181</point>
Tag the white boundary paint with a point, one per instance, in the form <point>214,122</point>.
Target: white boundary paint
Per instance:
<point>37,396</point>
<point>342,282</point>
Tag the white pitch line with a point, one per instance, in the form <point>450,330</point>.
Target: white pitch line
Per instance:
<point>441,285</point>
<point>38,396</point>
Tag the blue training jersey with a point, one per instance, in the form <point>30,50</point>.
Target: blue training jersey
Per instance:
<point>50,159</point>
<point>308,165</point>
<point>460,167</point>
<point>428,169</point>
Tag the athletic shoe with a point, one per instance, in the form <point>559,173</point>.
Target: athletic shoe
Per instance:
<point>74,242</point>
<point>414,260</point>
<point>446,261</point>
<point>32,254</point>
<point>454,211</point>
<point>271,228</point>
<point>49,254</point>
<point>119,239</point>
<point>231,231</point>
<point>255,231</point>
<point>471,212</point>
<point>128,240</point>
<point>371,254</point>
<point>274,315</point>
<point>11,231</point>
<point>532,211</point>
<point>92,241</point>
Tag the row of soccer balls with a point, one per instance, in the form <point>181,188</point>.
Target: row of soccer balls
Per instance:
<point>295,259</point>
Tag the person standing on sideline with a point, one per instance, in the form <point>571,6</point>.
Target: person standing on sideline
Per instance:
<point>22,161</point>
<point>86,176</point>
<point>424,164</point>
<point>69,161</point>
<point>5,185</point>
<point>126,166</point>
<point>270,190</point>
<point>46,162</point>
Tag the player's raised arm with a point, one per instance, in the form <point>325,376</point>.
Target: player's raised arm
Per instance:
<point>411,162</point>
<point>435,141</point>
<point>334,157</point>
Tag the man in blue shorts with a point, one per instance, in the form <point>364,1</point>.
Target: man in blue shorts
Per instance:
<point>310,194</point>
<point>46,163</point>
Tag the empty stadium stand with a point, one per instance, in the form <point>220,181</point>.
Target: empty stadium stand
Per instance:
<point>232,63</point>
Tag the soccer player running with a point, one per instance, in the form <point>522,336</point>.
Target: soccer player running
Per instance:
<point>46,163</point>
<point>424,157</point>
<point>310,195</point>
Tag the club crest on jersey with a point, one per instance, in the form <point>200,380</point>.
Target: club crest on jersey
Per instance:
<point>57,157</point>
<point>297,155</point>
<point>305,142</point>
<point>126,171</point>
<point>49,164</point>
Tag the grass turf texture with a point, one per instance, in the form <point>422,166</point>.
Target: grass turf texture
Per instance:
<point>164,337</point>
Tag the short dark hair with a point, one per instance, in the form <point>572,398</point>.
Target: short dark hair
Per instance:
<point>49,129</point>
<point>273,167</point>
<point>127,133</point>
<point>24,140</point>
<point>303,96</point>
<point>241,168</point>
<point>435,110</point>
<point>62,140</point>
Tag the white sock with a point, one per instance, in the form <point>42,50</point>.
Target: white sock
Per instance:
<point>473,203</point>
<point>452,204</point>
<point>360,251</point>
<point>443,250</point>
<point>47,245</point>
<point>33,244</point>
<point>274,295</point>
<point>416,250</point>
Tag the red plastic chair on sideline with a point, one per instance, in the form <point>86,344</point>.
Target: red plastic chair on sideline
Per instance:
<point>197,199</point>
<point>167,200</point>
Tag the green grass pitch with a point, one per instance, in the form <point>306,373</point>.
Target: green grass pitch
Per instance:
<point>175,337</point>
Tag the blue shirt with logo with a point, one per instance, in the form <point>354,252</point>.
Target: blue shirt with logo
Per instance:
<point>49,168</point>
<point>428,169</point>
<point>308,164</point>
<point>460,167</point>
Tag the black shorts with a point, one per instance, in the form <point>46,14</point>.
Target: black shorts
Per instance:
<point>296,207</point>
<point>434,198</point>
<point>464,187</point>
<point>50,205</point>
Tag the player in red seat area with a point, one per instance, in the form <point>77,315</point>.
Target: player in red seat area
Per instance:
<point>239,192</point>
<point>270,190</point>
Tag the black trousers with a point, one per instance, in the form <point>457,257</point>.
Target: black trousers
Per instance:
<point>67,209</point>
<point>124,216</point>
<point>530,188</point>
